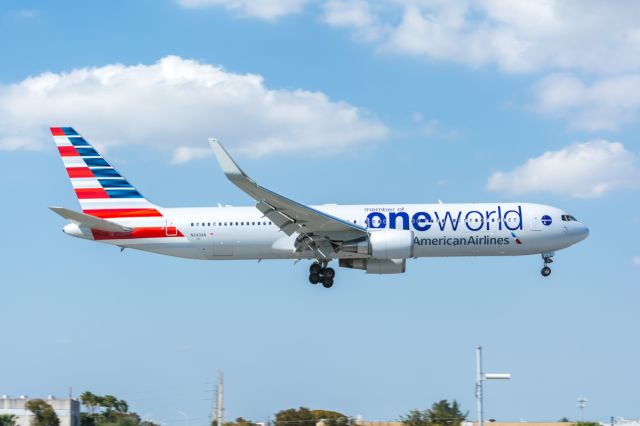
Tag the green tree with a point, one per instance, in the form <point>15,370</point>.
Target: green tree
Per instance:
<point>564,420</point>
<point>330,418</point>
<point>587,424</point>
<point>240,421</point>
<point>415,418</point>
<point>441,413</point>
<point>7,420</point>
<point>306,417</point>
<point>292,417</point>
<point>90,401</point>
<point>44,413</point>
<point>108,410</point>
<point>87,419</point>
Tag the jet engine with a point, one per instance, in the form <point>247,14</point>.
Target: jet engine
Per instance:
<point>376,266</point>
<point>387,244</point>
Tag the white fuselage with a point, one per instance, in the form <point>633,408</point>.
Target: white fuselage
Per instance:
<point>483,229</point>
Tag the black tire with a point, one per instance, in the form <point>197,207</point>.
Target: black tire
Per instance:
<point>315,268</point>
<point>329,272</point>
<point>546,271</point>
<point>314,278</point>
<point>327,282</point>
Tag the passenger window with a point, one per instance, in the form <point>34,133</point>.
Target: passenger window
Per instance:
<point>191,223</point>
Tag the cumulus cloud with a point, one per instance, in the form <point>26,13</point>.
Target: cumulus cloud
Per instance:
<point>606,104</point>
<point>583,37</point>
<point>362,16</point>
<point>262,9</point>
<point>174,105</point>
<point>589,169</point>
<point>517,36</point>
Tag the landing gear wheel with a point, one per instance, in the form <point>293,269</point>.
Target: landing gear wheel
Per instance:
<point>329,273</point>
<point>546,271</point>
<point>327,282</point>
<point>314,278</point>
<point>315,268</point>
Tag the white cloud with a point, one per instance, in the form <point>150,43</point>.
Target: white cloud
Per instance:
<point>589,169</point>
<point>174,105</point>
<point>517,35</point>
<point>604,105</point>
<point>360,15</point>
<point>263,9</point>
<point>636,261</point>
<point>575,37</point>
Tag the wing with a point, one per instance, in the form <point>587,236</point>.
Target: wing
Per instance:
<point>315,227</point>
<point>90,221</point>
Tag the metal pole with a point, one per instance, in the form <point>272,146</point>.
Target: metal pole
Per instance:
<point>582,402</point>
<point>479,384</point>
<point>220,400</point>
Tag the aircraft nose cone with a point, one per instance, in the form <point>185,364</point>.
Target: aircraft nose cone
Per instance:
<point>583,232</point>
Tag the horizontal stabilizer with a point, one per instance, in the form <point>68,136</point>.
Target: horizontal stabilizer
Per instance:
<point>90,221</point>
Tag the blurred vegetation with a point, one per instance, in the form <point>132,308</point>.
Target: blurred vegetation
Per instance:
<point>108,410</point>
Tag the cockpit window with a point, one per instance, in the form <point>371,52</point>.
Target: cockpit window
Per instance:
<point>568,218</point>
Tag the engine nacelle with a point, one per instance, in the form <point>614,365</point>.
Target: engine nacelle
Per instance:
<point>376,266</point>
<point>387,244</point>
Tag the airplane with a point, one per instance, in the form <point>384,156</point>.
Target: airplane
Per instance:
<point>375,238</point>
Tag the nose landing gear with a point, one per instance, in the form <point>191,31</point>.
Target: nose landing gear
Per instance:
<point>320,273</point>
<point>547,257</point>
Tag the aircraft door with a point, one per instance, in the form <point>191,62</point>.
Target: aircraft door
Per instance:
<point>170,229</point>
<point>223,244</point>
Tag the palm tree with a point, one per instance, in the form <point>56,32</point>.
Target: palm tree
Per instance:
<point>89,400</point>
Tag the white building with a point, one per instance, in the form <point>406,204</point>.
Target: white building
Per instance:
<point>68,410</point>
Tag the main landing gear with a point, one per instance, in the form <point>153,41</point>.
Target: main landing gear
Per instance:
<point>320,273</point>
<point>547,257</point>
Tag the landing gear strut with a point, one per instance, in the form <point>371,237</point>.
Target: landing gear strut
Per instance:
<point>320,273</point>
<point>547,257</point>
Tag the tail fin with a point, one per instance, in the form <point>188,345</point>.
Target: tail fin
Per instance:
<point>101,190</point>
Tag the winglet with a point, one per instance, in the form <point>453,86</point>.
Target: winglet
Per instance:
<point>229,167</point>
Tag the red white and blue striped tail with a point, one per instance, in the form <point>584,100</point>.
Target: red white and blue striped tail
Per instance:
<point>101,190</point>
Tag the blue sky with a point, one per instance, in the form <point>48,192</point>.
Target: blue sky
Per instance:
<point>347,102</point>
